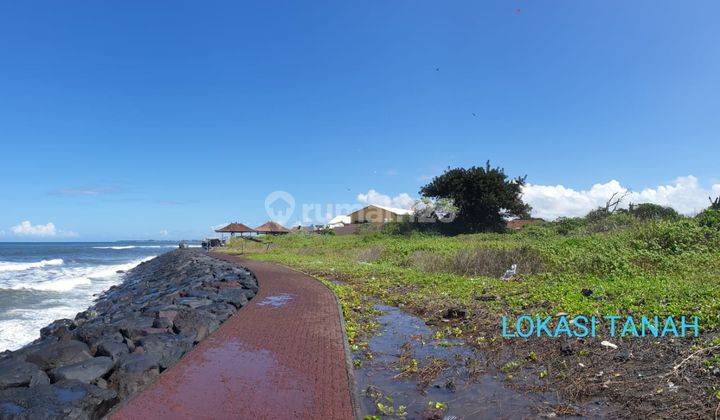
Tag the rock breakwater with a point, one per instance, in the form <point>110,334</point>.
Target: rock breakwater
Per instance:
<point>81,368</point>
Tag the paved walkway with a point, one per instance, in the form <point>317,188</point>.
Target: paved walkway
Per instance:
<point>282,356</point>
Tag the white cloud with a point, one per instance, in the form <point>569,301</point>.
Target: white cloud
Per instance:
<point>164,232</point>
<point>26,228</point>
<point>403,201</point>
<point>685,195</point>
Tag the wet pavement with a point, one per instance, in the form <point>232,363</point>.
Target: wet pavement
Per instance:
<point>282,356</point>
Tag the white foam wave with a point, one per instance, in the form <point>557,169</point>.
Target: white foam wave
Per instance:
<point>20,266</point>
<point>71,278</point>
<point>58,285</point>
<point>25,324</point>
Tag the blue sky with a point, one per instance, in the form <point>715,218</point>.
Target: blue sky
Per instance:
<point>161,119</point>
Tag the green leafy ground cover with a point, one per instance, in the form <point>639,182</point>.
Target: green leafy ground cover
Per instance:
<point>644,268</point>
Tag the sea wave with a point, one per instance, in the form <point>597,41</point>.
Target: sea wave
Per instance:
<point>21,266</point>
<point>71,278</point>
<point>24,325</point>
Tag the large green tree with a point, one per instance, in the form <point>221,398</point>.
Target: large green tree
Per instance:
<point>484,197</point>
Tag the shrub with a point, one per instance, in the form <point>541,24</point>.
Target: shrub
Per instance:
<point>566,225</point>
<point>400,228</point>
<point>535,231</point>
<point>649,211</point>
<point>369,229</point>
<point>597,214</point>
<point>610,222</point>
<point>709,218</point>
<point>676,237</point>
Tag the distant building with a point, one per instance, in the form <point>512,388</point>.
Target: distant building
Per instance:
<point>338,221</point>
<point>303,229</point>
<point>379,214</point>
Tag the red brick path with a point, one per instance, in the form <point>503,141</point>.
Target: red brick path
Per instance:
<point>281,356</point>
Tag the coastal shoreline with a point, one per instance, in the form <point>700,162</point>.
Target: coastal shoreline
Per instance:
<point>82,368</point>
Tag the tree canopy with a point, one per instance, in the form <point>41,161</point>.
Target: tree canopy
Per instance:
<point>484,197</point>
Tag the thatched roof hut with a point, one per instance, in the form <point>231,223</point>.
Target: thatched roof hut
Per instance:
<point>234,228</point>
<point>272,228</point>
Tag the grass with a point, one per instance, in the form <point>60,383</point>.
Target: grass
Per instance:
<point>648,268</point>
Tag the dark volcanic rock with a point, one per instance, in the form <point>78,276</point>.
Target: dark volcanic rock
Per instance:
<point>193,302</point>
<point>14,373</point>
<point>59,354</point>
<point>197,324</point>
<point>66,399</point>
<point>39,378</point>
<point>112,346</point>
<point>59,328</point>
<point>135,372</point>
<point>120,345</point>
<point>222,311</point>
<point>238,297</point>
<point>86,371</point>
<point>169,348</point>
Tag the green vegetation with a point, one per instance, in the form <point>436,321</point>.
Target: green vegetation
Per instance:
<point>482,196</point>
<point>627,265</point>
<point>644,261</point>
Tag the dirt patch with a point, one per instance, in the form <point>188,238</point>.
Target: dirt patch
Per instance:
<point>638,379</point>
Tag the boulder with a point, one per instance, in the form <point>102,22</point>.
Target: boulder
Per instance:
<point>58,328</point>
<point>202,293</point>
<point>236,296</point>
<point>136,327</point>
<point>94,332</point>
<point>15,373</point>
<point>197,324</point>
<point>135,372</point>
<point>64,400</point>
<point>221,310</point>
<point>86,371</point>
<point>169,348</point>
<point>193,302</point>
<point>39,378</point>
<point>59,354</point>
<point>168,313</point>
<point>164,323</point>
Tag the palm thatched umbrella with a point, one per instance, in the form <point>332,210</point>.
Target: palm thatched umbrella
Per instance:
<point>234,228</point>
<point>272,228</point>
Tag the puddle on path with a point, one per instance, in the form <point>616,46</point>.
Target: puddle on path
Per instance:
<point>463,396</point>
<point>276,301</point>
<point>226,378</point>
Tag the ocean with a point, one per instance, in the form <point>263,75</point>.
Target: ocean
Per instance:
<point>42,282</point>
